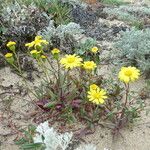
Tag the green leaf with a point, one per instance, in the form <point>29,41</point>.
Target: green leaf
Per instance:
<point>32,146</point>
<point>50,105</point>
<point>21,141</point>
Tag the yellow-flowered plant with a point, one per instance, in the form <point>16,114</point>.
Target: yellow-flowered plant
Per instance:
<point>38,42</point>
<point>9,58</point>
<point>94,49</point>
<point>35,53</point>
<point>55,51</point>
<point>93,87</point>
<point>43,56</point>
<point>71,61</point>
<point>11,45</point>
<point>89,65</point>
<point>96,94</point>
<point>66,91</point>
<point>129,74</point>
<point>8,55</point>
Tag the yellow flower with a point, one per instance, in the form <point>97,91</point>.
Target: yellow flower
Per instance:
<point>71,61</point>
<point>11,43</point>
<point>8,55</point>
<point>30,44</point>
<point>37,42</point>
<point>128,74</point>
<point>97,96</point>
<point>43,57</point>
<point>89,65</point>
<point>33,52</point>
<point>93,87</point>
<point>94,49</point>
<point>9,58</point>
<point>55,51</point>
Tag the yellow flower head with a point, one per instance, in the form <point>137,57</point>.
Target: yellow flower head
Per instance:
<point>71,61</point>
<point>29,44</point>
<point>93,87</point>
<point>97,96</point>
<point>89,65</point>
<point>9,55</point>
<point>11,43</point>
<point>94,49</point>
<point>37,42</point>
<point>128,74</point>
<point>55,51</point>
<point>43,57</point>
<point>33,52</point>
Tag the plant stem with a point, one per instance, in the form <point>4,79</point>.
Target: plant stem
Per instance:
<point>124,106</point>
<point>18,63</point>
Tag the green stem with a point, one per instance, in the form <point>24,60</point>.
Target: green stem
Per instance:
<point>124,106</point>
<point>18,63</point>
<point>43,67</point>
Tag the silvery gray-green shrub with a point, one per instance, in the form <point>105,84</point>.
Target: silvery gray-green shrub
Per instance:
<point>135,15</point>
<point>54,140</point>
<point>61,31</point>
<point>16,14</point>
<point>62,36</point>
<point>51,139</point>
<point>133,48</point>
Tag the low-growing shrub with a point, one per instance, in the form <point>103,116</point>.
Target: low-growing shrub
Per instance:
<point>113,2</point>
<point>21,23</point>
<point>133,48</point>
<point>59,11</point>
<point>62,36</point>
<point>135,15</point>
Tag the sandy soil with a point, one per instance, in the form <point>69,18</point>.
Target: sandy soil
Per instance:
<point>15,105</point>
<point>135,137</point>
<point>14,115</point>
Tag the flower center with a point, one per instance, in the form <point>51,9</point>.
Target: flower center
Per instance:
<point>88,64</point>
<point>128,73</point>
<point>70,60</point>
<point>37,42</point>
<point>96,95</point>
